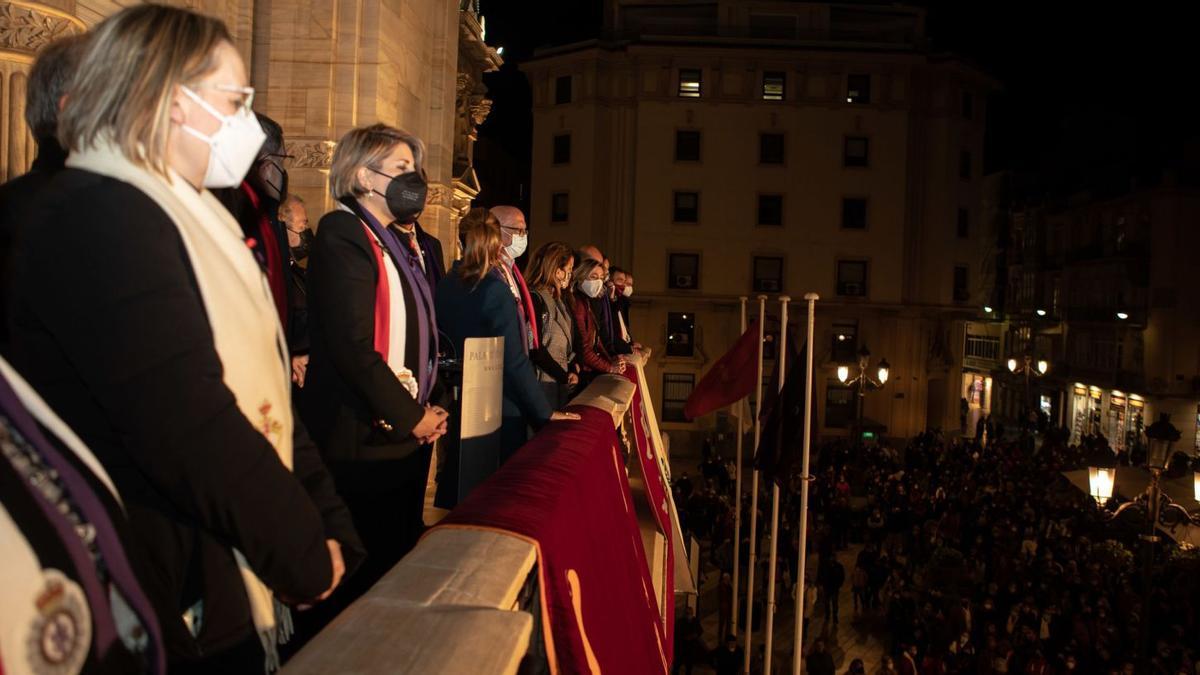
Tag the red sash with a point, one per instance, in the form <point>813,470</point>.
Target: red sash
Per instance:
<point>528,303</point>
<point>270,243</point>
<point>383,314</point>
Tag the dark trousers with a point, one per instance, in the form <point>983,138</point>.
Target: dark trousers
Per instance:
<point>387,502</point>
<point>831,604</point>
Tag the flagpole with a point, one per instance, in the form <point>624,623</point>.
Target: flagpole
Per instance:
<point>762,310</point>
<point>781,368</point>
<point>801,566</point>
<point>737,501</point>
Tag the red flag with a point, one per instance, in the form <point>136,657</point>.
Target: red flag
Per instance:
<point>731,378</point>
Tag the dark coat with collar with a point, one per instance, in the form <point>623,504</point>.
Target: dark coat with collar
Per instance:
<point>350,392</point>
<point>488,309</point>
<point>15,197</point>
<point>109,327</point>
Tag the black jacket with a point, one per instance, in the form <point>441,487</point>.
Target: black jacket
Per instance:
<point>349,387</point>
<point>431,247</point>
<point>109,326</point>
<point>15,196</point>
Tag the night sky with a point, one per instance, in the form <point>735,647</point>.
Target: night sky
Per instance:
<point>1089,98</point>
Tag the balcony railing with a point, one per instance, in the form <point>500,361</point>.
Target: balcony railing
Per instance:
<point>566,559</point>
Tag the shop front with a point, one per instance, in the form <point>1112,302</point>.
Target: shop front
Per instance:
<point>1116,415</point>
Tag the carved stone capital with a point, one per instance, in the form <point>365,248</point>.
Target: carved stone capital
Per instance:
<point>480,110</point>
<point>28,26</point>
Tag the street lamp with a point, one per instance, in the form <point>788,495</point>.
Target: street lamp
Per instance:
<point>1100,483</point>
<point>864,382</point>
<point>1026,367</point>
<point>1161,435</point>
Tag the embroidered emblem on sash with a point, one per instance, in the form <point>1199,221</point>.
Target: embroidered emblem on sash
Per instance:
<point>61,633</point>
<point>270,427</point>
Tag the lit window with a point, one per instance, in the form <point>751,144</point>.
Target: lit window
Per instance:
<point>774,86</point>
<point>689,82</point>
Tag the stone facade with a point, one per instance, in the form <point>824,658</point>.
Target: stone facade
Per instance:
<point>320,68</point>
<point>687,102</point>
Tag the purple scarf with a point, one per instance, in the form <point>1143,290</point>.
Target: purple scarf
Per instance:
<point>109,544</point>
<point>410,269</point>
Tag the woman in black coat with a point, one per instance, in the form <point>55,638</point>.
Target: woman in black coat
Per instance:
<point>371,389</point>
<point>142,318</point>
<point>473,300</point>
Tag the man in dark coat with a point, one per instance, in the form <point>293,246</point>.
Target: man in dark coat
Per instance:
<point>43,95</point>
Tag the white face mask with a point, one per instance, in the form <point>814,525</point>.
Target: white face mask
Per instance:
<point>232,148</point>
<point>627,291</point>
<point>592,287</point>
<point>517,247</point>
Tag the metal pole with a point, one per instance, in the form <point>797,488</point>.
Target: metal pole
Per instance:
<point>1150,539</point>
<point>737,503</point>
<point>808,388</point>
<point>762,310</point>
<point>782,370</point>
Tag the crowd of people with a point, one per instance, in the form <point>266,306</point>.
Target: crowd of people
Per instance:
<point>218,424</point>
<point>969,559</point>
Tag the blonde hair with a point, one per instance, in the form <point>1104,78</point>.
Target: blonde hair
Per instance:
<point>367,147</point>
<point>127,77</point>
<point>480,233</point>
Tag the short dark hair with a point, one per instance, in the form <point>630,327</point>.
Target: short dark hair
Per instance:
<point>274,143</point>
<point>613,271</point>
<point>48,79</point>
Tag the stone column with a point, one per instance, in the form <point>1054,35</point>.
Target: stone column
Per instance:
<point>25,27</point>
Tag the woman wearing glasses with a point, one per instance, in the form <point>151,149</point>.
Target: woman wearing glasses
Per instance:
<point>141,316</point>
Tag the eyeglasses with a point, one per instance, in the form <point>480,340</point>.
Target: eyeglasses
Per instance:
<point>514,230</point>
<point>248,92</point>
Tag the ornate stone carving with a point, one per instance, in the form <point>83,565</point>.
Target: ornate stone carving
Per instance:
<point>28,27</point>
<point>436,196</point>
<point>463,85</point>
<point>310,154</point>
<point>480,110</point>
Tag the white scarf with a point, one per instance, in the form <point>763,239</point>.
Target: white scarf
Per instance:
<point>397,331</point>
<point>245,328</point>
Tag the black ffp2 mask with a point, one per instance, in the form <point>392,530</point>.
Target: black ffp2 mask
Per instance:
<point>405,196</point>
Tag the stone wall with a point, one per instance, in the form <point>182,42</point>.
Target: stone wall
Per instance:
<point>320,68</point>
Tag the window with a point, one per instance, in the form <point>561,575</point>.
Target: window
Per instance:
<point>968,105</point>
<point>845,342</point>
<point>677,387</point>
<point>689,82</point>
<point>858,89</point>
<point>686,207</point>
<point>771,148</point>
<point>562,89</point>
<point>854,213</point>
<point>559,207</point>
<point>961,294</point>
<point>768,274</point>
<point>964,165</point>
<point>774,85</point>
<point>839,405</point>
<point>856,151</point>
<point>687,146</point>
<point>681,334</point>
<point>683,271</point>
<point>770,210</point>
<point>852,278</point>
<point>964,222</point>
<point>562,149</point>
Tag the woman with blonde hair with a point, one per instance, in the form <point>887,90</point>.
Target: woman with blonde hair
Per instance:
<point>473,300</point>
<point>372,392</point>
<point>142,317</point>
<point>549,275</point>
